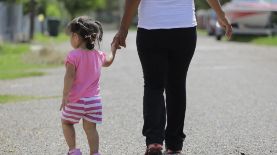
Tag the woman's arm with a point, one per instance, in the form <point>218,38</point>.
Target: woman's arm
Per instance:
<point>221,17</point>
<point>130,8</point>
<point>68,82</point>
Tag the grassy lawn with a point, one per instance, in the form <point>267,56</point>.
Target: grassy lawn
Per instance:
<point>62,37</point>
<point>14,98</point>
<point>201,32</point>
<point>12,65</point>
<point>259,40</point>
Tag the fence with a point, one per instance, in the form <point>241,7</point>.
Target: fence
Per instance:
<point>11,22</point>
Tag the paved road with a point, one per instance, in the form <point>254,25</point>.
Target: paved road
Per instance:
<point>232,105</point>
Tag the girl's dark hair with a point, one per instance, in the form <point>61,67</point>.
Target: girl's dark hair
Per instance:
<point>89,30</point>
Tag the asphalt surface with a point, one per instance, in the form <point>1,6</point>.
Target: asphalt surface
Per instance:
<point>231,105</point>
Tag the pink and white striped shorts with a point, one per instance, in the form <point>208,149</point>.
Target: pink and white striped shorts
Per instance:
<point>89,109</point>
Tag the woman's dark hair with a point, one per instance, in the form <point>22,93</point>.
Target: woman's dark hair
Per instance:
<point>89,30</point>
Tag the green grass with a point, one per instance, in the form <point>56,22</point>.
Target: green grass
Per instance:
<point>19,74</point>
<point>272,41</point>
<point>259,40</point>
<point>14,98</point>
<point>201,32</point>
<point>11,63</point>
<point>62,37</point>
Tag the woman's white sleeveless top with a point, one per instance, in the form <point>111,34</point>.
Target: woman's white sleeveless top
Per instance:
<point>166,14</point>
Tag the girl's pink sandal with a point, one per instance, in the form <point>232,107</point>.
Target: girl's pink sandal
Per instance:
<point>74,152</point>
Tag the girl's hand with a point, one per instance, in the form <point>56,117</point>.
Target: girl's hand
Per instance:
<point>224,23</point>
<point>113,48</point>
<point>110,58</point>
<point>64,102</point>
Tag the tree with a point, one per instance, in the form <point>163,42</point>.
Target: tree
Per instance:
<point>32,17</point>
<point>75,7</point>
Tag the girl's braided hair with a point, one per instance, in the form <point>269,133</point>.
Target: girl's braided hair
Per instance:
<point>89,30</point>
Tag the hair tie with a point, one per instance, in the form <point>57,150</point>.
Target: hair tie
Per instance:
<point>90,37</point>
<point>81,24</point>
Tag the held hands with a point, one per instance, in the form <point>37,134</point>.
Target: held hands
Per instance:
<point>224,23</point>
<point>110,58</point>
<point>113,48</point>
<point>119,39</point>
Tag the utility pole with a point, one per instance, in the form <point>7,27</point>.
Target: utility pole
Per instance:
<point>32,18</point>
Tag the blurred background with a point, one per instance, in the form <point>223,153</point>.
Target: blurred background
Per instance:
<point>26,20</point>
<point>232,96</point>
<point>22,19</point>
<point>250,20</point>
<point>32,32</point>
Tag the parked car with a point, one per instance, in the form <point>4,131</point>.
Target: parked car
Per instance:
<point>255,17</point>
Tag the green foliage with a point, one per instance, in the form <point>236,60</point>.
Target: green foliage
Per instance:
<point>52,10</point>
<point>75,7</point>
<point>52,7</point>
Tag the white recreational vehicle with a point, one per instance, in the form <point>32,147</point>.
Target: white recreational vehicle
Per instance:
<point>256,17</point>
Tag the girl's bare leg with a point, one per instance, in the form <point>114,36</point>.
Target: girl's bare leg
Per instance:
<point>69,134</point>
<point>92,136</point>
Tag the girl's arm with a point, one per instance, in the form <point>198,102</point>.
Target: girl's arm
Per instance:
<point>68,82</point>
<point>110,57</point>
<point>221,17</point>
<point>129,11</point>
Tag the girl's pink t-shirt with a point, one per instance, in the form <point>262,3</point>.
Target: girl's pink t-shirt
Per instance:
<point>88,69</point>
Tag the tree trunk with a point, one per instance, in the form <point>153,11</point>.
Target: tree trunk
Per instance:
<point>32,18</point>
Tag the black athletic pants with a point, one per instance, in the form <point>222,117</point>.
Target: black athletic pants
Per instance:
<point>165,55</point>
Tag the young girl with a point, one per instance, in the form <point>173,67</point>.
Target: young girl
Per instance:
<point>81,93</point>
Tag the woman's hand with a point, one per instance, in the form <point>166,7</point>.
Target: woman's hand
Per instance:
<point>119,39</point>
<point>130,8</point>
<point>222,20</point>
<point>224,23</point>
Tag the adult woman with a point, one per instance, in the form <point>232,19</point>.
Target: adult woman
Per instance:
<point>166,40</point>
